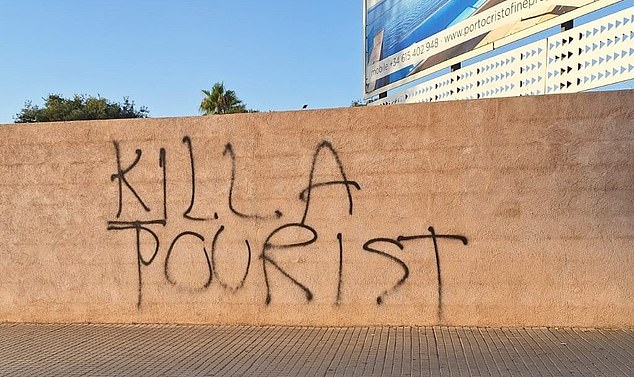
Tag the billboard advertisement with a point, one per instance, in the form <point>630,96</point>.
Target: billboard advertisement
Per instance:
<point>404,38</point>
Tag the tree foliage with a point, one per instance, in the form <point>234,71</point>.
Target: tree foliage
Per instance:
<point>218,100</point>
<point>80,107</point>
<point>358,103</point>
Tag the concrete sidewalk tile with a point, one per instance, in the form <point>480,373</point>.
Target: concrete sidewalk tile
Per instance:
<point>351,357</point>
<point>188,350</point>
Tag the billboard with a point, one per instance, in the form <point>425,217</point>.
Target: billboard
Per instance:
<point>405,38</point>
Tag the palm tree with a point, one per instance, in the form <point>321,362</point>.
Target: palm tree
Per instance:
<point>221,101</point>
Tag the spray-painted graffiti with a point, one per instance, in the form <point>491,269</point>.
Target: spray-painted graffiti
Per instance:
<point>274,241</point>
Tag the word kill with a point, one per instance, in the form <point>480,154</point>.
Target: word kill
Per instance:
<point>267,249</point>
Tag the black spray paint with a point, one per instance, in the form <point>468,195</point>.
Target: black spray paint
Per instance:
<point>229,150</point>
<point>310,235</point>
<point>187,214</point>
<point>121,179</point>
<point>435,237</point>
<point>305,196</point>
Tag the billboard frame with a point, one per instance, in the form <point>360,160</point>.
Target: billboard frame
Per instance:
<point>511,38</point>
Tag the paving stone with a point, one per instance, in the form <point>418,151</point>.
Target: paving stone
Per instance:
<point>193,350</point>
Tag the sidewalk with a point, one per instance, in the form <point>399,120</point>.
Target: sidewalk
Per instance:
<point>187,350</point>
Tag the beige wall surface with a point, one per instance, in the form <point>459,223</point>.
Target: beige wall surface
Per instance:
<point>515,212</point>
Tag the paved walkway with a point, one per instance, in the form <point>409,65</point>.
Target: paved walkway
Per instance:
<point>172,350</point>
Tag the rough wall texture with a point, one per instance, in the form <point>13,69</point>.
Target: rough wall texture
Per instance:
<point>495,212</point>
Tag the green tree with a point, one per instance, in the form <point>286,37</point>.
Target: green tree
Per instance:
<point>80,107</point>
<point>221,101</point>
<point>358,103</point>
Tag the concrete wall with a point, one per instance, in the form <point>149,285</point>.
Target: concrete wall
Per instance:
<point>494,212</point>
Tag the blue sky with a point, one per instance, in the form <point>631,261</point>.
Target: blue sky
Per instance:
<point>276,55</point>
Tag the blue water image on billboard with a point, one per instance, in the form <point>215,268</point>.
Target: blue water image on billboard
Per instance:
<point>405,22</point>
